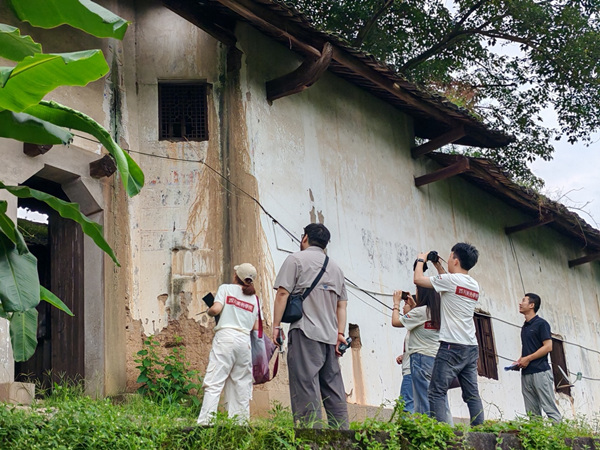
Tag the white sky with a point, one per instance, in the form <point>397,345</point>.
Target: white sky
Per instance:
<point>573,179</point>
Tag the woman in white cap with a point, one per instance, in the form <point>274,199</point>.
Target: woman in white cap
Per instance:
<point>230,361</point>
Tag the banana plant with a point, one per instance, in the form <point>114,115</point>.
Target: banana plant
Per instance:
<point>26,116</point>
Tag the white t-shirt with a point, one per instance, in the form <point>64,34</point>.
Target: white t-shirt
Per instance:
<point>424,338</point>
<point>239,311</point>
<point>406,356</point>
<point>459,293</point>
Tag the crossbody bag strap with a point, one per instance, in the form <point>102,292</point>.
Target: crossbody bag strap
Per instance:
<point>314,284</point>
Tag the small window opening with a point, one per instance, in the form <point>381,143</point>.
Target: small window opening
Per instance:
<point>559,367</point>
<point>354,333</point>
<point>487,364</point>
<point>183,111</point>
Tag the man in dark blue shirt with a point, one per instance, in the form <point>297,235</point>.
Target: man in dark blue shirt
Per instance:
<point>537,382</point>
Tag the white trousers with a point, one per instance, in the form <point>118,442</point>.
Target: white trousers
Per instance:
<point>229,367</point>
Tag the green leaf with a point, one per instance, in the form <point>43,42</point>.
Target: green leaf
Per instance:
<point>3,313</point>
<point>27,128</point>
<point>8,227</point>
<point>15,47</point>
<point>68,211</point>
<point>49,297</point>
<point>82,14</point>
<point>19,283</point>
<point>23,334</point>
<point>131,174</point>
<point>37,75</point>
<point>142,379</point>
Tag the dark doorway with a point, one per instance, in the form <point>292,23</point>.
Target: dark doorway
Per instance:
<point>58,247</point>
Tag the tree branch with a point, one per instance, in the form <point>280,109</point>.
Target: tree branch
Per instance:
<point>369,24</point>
<point>445,42</point>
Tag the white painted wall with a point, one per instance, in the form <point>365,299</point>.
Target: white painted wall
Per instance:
<point>335,151</point>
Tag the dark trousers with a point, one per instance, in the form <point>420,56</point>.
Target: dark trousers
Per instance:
<point>455,360</point>
<point>315,375</point>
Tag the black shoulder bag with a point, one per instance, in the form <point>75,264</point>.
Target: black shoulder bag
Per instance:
<point>293,309</point>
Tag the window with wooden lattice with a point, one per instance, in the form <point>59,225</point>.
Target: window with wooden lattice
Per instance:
<point>559,367</point>
<point>183,111</point>
<point>487,364</point>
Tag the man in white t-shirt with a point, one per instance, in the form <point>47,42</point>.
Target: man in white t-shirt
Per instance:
<point>458,352</point>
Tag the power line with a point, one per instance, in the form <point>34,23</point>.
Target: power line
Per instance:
<point>352,284</point>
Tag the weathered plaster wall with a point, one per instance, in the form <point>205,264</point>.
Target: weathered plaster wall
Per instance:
<point>336,155</point>
<point>176,223</point>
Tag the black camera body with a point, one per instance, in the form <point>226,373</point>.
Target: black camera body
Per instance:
<point>343,347</point>
<point>433,256</point>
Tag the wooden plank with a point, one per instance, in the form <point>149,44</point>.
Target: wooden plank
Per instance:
<point>528,225</point>
<point>303,77</point>
<point>67,282</point>
<point>34,150</point>
<point>461,166</point>
<point>433,144</point>
<point>103,167</point>
<point>584,259</point>
<point>249,14</point>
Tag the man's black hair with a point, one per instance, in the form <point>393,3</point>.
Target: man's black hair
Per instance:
<point>317,234</point>
<point>467,255</point>
<point>535,299</point>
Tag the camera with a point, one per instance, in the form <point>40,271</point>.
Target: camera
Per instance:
<point>405,295</point>
<point>433,256</point>
<point>343,347</point>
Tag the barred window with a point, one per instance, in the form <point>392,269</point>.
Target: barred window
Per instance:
<point>487,364</point>
<point>183,111</point>
<point>559,367</point>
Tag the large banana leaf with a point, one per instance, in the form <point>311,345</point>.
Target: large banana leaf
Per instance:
<point>15,47</point>
<point>35,76</point>
<point>19,285</point>
<point>23,334</point>
<point>8,227</point>
<point>131,174</point>
<point>83,14</point>
<point>68,211</point>
<point>49,297</point>
<point>27,128</point>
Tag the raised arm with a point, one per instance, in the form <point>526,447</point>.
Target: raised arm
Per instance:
<point>419,278</point>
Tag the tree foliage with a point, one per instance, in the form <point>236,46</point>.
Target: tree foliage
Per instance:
<point>508,61</point>
<point>27,117</point>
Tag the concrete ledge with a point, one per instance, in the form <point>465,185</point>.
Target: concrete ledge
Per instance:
<point>17,393</point>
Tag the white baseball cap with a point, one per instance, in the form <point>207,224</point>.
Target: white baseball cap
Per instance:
<point>245,271</point>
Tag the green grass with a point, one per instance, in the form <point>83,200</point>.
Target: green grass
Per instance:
<point>67,419</point>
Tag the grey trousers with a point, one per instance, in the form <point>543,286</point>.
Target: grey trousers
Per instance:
<point>315,375</point>
<point>538,393</point>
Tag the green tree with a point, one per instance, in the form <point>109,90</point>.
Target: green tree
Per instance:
<point>507,61</point>
<point>27,117</point>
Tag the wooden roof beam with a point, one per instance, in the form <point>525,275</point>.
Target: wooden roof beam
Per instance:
<point>248,12</point>
<point>584,259</point>
<point>461,166</point>
<point>433,144</point>
<point>544,220</point>
<point>34,150</point>
<point>103,167</point>
<point>303,77</point>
